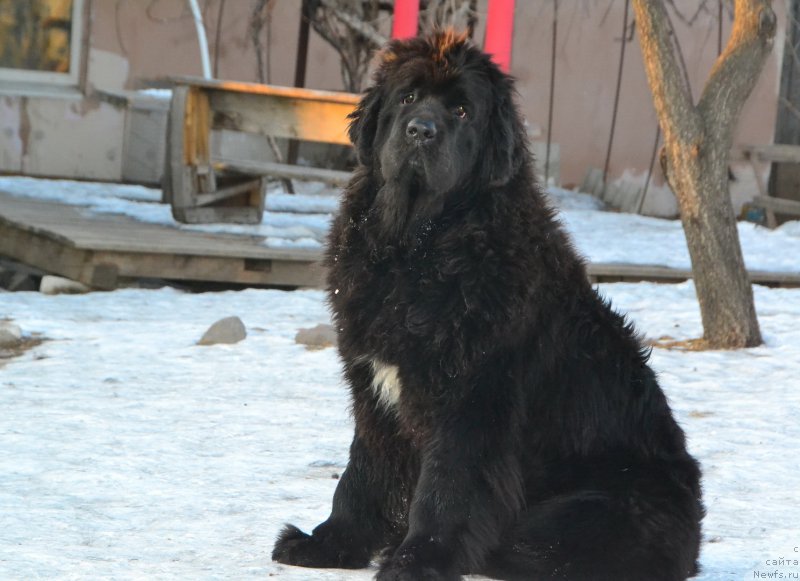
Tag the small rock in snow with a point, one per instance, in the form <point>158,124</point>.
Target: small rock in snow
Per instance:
<point>225,331</point>
<point>10,335</point>
<point>317,337</point>
<point>56,285</point>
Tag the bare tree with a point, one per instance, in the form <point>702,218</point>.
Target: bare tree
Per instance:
<point>458,14</point>
<point>261,20</point>
<point>697,142</point>
<point>352,28</point>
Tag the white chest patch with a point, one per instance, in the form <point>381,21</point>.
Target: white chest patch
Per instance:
<point>386,383</point>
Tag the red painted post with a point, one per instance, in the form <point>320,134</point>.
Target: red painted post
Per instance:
<point>406,18</point>
<point>500,32</point>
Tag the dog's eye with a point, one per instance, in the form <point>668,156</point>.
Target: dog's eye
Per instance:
<point>461,112</point>
<point>408,98</point>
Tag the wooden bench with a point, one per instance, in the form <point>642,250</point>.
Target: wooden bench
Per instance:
<point>773,153</point>
<point>202,187</point>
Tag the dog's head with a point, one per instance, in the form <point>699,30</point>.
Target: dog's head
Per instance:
<point>440,117</point>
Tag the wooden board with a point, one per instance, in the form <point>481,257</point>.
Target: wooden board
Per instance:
<point>274,90</point>
<point>786,156</point>
<point>321,121</point>
<point>780,153</point>
<point>100,250</point>
<point>600,272</point>
<point>296,113</point>
<point>778,205</point>
<point>283,170</point>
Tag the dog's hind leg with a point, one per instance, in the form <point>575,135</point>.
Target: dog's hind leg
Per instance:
<point>649,530</point>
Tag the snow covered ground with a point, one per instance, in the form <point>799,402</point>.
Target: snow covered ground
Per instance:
<point>128,452</point>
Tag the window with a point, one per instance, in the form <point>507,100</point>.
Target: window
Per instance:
<point>40,41</point>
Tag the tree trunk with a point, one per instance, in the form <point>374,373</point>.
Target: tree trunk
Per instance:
<point>697,142</point>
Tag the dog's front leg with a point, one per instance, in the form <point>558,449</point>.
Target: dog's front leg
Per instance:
<point>369,494</point>
<point>469,490</point>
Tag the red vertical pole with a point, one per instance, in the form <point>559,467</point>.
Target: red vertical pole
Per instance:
<point>406,18</point>
<point>499,32</point>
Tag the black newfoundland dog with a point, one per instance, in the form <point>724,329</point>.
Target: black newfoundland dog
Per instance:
<point>507,422</point>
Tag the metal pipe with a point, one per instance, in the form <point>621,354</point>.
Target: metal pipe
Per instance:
<point>201,38</point>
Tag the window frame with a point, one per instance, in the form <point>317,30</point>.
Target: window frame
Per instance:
<point>43,79</point>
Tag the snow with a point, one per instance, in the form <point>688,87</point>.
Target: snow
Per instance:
<point>301,221</point>
<point>128,452</point>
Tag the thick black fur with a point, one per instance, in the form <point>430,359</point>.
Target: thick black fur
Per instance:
<point>530,439</point>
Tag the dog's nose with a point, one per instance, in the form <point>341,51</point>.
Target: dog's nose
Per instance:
<point>421,130</point>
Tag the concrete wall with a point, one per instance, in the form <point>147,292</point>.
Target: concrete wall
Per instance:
<point>131,44</point>
<point>61,136</point>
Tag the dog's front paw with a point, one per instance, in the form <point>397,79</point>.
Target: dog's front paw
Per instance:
<point>413,573</point>
<point>292,546</point>
<point>321,549</point>
<point>406,565</point>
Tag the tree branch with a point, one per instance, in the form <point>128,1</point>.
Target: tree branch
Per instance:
<point>738,67</point>
<point>671,96</point>
<point>353,23</point>
<point>676,47</point>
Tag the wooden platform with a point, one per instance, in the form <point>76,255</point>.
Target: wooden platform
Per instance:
<point>104,250</point>
<point>599,272</point>
<point>758,155</point>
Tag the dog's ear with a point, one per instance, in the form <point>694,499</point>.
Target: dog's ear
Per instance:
<point>507,135</point>
<point>364,124</point>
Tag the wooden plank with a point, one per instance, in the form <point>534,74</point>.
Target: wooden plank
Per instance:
<point>600,272</point>
<point>106,269</point>
<point>176,173</point>
<point>785,159</point>
<point>269,90</point>
<point>68,225</point>
<point>221,214</point>
<point>210,268</point>
<point>197,141</point>
<point>36,248</point>
<point>227,192</point>
<point>603,272</point>
<point>321,121</point>
<point>283,170</point>
<point>92,248</point>
<point>784,279</point>
<point>776,152</point>
<point>779,205</point>
<point>189,127</point>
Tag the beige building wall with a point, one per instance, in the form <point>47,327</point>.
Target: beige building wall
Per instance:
<point>587,64</point>
<point>158,39</point>
<point>135,43</point>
